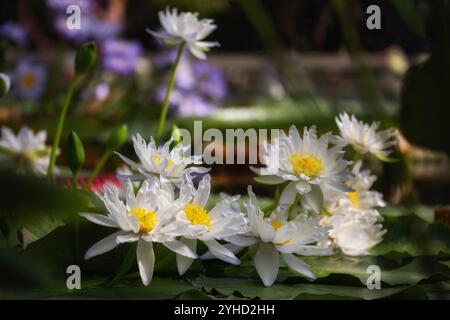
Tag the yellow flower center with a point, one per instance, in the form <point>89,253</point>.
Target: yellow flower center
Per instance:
<point>28,80</point>
<point>147,219</point>
<point>197,215</point>
<point>354,198</point>
<point>157,161</point>
<point>276,224</point>
<point>307,164</point>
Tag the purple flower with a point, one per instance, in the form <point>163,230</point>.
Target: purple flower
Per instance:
<point>199,86</point>
<point>29,79</point>
<point>210,80</point>
<point>95,23</point>
<point>120,56</point>
<point>14,32</point>
<point>194,105</point>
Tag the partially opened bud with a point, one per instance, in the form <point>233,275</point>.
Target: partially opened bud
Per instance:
<point>177,137</point>
<point>75,154</point>
<point>5,83</point>
<point>117,138</point>
<point>86,57</point>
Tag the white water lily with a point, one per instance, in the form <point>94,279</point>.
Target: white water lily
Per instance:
<point>361,197</point>
<point>355,223</point>
<point>356,232</point>
<point>186,27</point>
<point>224,220</point>
<point>307,163</point>
<point>145,217</point>
<point>363,137</point>
<point>26,149</point>
<point>277,236</point>
<point>168,164</point>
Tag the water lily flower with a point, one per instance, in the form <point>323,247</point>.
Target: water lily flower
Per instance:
<point>355,223</point>
<point>277,236</point>
<point>30,79</point>
<point>356,232</point>
<point>26,149</point>
<point>145,217</point>
<point>363,137</point>
<point>225,219</point>
<point>185,27</point>
<point>307,163</point>
<point>171,164</point>
<point>361,198</point>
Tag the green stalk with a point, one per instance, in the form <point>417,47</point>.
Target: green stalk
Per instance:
<point>59,127</point>
<point>165,108</point>
<point>98,168</point>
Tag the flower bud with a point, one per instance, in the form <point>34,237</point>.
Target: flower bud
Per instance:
<point>117,138</point>
<point>75,152</point>
<point>85,58</point>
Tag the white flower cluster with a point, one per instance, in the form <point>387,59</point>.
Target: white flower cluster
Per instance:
<point>26,150</point>
<point>318,175</point>
<point>336,209</point>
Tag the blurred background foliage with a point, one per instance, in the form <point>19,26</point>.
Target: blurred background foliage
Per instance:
<point>280,63</point>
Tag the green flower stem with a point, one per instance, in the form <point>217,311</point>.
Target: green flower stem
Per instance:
<point>76,223</point>
<point>59,127</point>
<point>165,107</point>
<point>74,181</point>
<point>98,168</point>
<point>126,265</point>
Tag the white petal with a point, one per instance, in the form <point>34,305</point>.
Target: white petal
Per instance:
<point>242,240</point>
<point>127,237</point>
<point>267,263</point>
<point>298,265</point>
<point>288,195</point>
<point>100,219</point>
<point>230,246</point>
<point>303,187</point>
<point>197,52</point>
<point>314,199</point>
<point>104,245</point>
<point>221,252</point>
<point>145,260</point>
<point>183,262</point>
<point>203,191</point>
<point>180,248</point>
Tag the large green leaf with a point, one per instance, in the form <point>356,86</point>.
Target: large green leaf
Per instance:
<point>413,236</point>
<point>254,289</point>
<point>30,208</point>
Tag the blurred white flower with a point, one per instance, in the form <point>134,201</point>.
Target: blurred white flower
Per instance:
<point>276,235</point>
<point>363,137</point>
<point>354,221</point>
<point>308,163</point>
<point>145,217</point>
<point>224,220</point>
<point>168,164</point>
<point>26,149</point>
<point>5,84</point>
<point>356,232</point>
<point>361,197</point>
<point>185,27</point>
